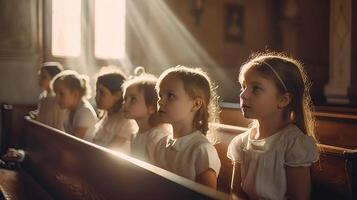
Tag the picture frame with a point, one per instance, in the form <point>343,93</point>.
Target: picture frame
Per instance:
<point>234,18</point>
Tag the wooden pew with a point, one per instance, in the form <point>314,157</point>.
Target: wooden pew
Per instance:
<point>12,125</point>
<point>225,134</point>
<point>337,129</point>
<point>19,185</point>
<point>70,168</point>
<point>335,126</point>
<point>334,176</point>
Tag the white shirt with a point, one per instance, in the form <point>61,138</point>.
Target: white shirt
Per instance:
<point>112,126</point>
<point>187,156</point>
<point>263,162</point>
<point>143,144</point>
<point>49,112</point>
<point>84,116</point>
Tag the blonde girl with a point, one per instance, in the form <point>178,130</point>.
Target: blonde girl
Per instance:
<point>188,102</point>
<point>140,104</point>
<point>272,160</point>
<point>72,91</point>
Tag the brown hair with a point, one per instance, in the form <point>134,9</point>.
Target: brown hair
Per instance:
<point>197,84</point>
<point>288,75</point>
<point>146,83</point>
<point>74,82</point>
<point>113,82</point>
<point>52,68</point>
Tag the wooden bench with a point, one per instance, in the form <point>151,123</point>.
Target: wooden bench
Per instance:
<point>70,168</point>
<point>225,134</point>
<point>335,127</point>
<point>334,176</point>
<point>19,185</point>
<point>55,159</point>
<point>12,125</point>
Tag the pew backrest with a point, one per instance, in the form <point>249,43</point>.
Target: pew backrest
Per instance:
<point>334,175</point>
<point>334,128</point>
<point>70,168</point>
<point>12,125</point>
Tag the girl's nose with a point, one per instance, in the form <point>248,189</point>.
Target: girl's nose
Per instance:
<point>244,94</point>
<point>160,102</point>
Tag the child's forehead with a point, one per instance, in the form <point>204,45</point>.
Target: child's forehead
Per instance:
<point>134,88</point>
<point>252,75</point>
<point>172,83</point>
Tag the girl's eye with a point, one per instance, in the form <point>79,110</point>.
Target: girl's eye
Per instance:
<point>256,89</point>
<point>132,99</point>
<point>170,96</point>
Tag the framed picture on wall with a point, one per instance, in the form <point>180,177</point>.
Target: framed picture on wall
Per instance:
<point>234,30</point>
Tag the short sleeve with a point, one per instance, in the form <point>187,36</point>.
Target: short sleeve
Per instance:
<point>84,118</point>
<point>207,158</point>
<point>235,147</point>
<point>302,151</point>
<point>127,129</point>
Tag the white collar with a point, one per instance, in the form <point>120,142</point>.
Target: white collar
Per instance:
<point>181,143</point>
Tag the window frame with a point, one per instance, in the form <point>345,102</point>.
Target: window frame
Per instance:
<point>87,49</point>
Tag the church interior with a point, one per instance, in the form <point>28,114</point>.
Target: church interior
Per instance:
<point>217,36</point>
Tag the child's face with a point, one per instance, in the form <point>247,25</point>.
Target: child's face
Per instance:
<point>104,98</point>
<point>44,79</point>
<point>259,96</point>
<point>175,105</point>
<point>134,104</point>
<point>66,98</point>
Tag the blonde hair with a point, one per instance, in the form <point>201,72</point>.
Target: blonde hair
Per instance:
<point>74,82</point>
<point>197,84</point>
<point>288,75</point>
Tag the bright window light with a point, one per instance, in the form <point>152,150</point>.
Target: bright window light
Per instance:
<point>110,29</point>
<point>66,28</point>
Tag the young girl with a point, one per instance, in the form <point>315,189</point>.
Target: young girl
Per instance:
<point>273,158</point>
<point>140,104</point>
<point>48,111</point>
<point>71,91</point>
<point>188,102</point>
<point>113,130</point>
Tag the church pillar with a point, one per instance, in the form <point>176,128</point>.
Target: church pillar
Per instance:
<point>337,88</point>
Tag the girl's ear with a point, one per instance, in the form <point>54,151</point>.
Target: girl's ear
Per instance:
<point>285,100</point>
<point>197,104</point>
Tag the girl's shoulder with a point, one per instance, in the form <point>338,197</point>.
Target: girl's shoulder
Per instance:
<point>240,139</point>
<point>161,129</point>
<point>85,105</point>
<point>85,109</point>
<point>292,133</point>
<point>301,149</point>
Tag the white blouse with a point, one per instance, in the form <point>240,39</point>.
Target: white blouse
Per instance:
<point>143,144</point>
<point>84,116</point>
<point>263,162</point>
<point>49,112</point>
<point>112,126</point>
<point>187,156</point>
